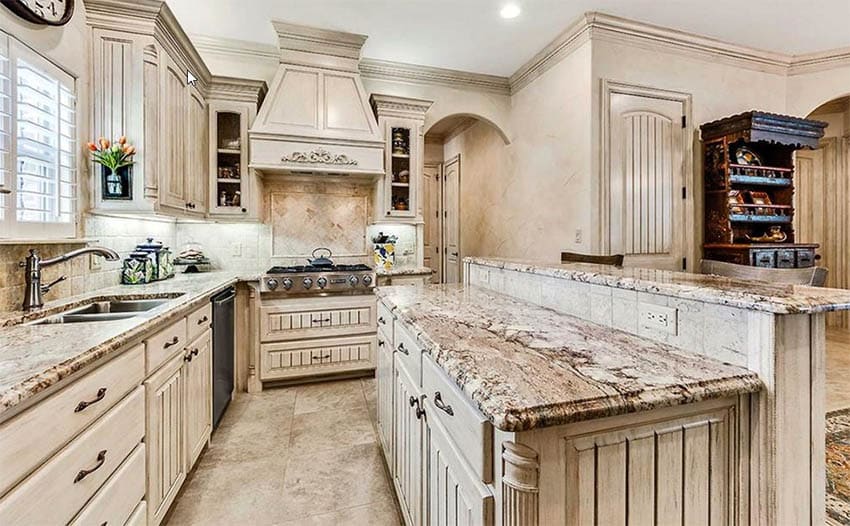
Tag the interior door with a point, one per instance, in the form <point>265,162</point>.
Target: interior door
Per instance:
<point>451,221</point>
<point>431,194</point>
<point>647,207</point>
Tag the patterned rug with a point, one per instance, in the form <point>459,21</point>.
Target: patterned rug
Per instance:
<point>838,465</point>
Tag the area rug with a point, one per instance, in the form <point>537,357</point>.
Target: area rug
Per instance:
<point>838,465</point>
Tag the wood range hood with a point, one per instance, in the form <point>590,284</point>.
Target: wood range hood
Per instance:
<point>316,120</point>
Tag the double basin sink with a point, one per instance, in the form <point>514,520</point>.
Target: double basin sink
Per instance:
<point>104,310</point>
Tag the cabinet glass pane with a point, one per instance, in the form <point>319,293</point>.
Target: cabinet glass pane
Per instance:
<point>229,153</point>
<point>400,165</point>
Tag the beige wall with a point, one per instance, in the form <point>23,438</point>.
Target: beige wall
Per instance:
<point>806,91</point>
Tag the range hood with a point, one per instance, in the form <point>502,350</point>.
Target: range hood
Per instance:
<point>316,118</point>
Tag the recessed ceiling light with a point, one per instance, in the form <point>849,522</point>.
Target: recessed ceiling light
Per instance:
<point>510,11</point>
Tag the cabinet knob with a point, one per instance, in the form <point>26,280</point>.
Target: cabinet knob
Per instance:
<point>402,349</point>
<point>244,210</point>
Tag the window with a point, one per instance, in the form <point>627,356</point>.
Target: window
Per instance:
<point>38,147</point>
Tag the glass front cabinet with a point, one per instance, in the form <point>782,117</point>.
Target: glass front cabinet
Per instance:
<point>402,121</point>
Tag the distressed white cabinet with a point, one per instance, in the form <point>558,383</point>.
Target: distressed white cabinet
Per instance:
<point>198,419</point>
<point>384,379</point>
<point>408,456</point>
<point>402,121</point>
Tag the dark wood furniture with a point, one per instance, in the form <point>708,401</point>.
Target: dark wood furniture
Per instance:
<point>748,176</point>
<point>813,276</point>
<point>574,257</point>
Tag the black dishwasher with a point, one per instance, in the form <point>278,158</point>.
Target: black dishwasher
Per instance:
<point>223,343</point>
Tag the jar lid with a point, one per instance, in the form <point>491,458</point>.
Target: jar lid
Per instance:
<point>150,246</point>
<point>140,254</point>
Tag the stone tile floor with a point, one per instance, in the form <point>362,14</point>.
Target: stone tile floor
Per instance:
<point>289,456</point>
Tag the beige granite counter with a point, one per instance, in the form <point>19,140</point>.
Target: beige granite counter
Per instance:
<point>750,295</point>
<point>34,358</point>
<point>413,271</point>
<point>525,366</point>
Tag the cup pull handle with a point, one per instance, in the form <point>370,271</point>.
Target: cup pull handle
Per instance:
<point>402,350</point>
<point>438,401</point>
<point>203,320</point>
<point>101,458</point>
<point>84,404</point>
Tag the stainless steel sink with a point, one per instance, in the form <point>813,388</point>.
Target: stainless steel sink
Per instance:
<point>104,310</point>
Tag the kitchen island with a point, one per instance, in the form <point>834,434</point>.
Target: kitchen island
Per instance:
<point>493,410</point>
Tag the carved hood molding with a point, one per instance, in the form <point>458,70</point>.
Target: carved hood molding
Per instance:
<point>316,118</point>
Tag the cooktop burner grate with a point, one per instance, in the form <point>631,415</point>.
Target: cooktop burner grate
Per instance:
<point>300,269</point>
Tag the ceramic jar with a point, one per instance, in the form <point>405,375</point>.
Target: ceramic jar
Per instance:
<point>138,269</point>
<point>164,259</point>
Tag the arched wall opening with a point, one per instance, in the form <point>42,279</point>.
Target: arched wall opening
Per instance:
<point>467,169</point>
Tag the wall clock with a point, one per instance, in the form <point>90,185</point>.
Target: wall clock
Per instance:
<point>48,12</point>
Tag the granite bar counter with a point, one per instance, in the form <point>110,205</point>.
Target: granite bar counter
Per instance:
<point>525,366</point>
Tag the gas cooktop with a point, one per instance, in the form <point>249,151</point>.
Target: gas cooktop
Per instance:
<point>318,280</point>
<point>298,269</point>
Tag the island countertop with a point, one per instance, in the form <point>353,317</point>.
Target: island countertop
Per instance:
<point>525,366</point>
<point>761,296</point>
<point>34,358</point>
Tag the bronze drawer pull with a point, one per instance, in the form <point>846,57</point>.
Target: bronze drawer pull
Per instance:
<point>203,320</point>
<point>82,405</point>
<point>174,341</point>
<point>380,343</point>
<point>438,401</point>
<point>420,408</point>
<point>381,320</point>
<point>325,357</point>
<point>101,458</point>
<point>401,349</point>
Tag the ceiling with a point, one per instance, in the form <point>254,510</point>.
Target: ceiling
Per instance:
<point>469,35</point>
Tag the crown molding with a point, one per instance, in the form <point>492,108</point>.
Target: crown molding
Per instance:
<point>820,61</point>
<point>577,34</point>
<point>237,89</point>
<point>236,48</point>
<point>396,106</point>
<point>400,71</point>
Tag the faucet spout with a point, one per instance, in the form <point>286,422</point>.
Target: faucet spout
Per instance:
<point>33,298</point>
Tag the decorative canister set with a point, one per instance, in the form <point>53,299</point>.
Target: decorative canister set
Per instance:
<point>150,262</point>
<point>384,250</point>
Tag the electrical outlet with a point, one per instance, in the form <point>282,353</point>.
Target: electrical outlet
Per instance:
<point>236,250</point>
<point>95,262</point>
<point>578,236</point>
<point>658,318</point>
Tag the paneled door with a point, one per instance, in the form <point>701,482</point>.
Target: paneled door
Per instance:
<point>174,115</point>
<point>647,184</point>
<point>198,396</point>
<point>451,221</point>
<point>407,465</point>
<point>431,208</point>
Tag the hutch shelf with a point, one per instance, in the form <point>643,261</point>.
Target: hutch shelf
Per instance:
<point>749,189</point>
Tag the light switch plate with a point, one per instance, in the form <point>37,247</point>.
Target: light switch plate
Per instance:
<point>95,262</point>
<point>659,318</point>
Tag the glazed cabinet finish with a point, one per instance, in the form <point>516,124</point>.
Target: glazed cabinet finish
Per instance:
<point>386,394</point>
<point>198,419</point>
<point>408,456</point>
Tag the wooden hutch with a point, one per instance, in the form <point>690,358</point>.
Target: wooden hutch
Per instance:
<point>749,189</point>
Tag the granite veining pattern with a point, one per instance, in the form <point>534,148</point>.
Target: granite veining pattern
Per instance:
<point>762,296</point>
<point>409,271</point>
<point>34,358</point>
<point>526,366</point>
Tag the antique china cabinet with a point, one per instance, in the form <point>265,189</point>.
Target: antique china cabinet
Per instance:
<point>749,189</point>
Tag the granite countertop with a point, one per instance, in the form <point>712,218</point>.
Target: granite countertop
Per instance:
<point>762,296</point>
<point>414,271</point>
<point>34,358</point>
<point>525,366</point>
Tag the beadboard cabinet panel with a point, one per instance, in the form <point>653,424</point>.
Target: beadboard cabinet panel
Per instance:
<point>408,455</point>
<point>292,319</point>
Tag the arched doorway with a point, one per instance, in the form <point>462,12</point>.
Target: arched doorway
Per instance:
<point>466,158</point>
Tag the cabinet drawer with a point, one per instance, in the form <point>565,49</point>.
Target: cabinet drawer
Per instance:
<point>118,498</point>
<point>764,258</point>
<point>68,480</point>
<point>316,318</point>
<point>408,351</point>
<point>385,319</point>
<point>32,437</point>
<point>786,258</point>
<point>805,258</point>
<point>139,517</point>
<point>160,347</point>
<point>468,429</point>
<point>292,359</point>
<point>198,322</point>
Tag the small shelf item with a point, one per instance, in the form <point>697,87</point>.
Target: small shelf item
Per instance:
<point>400,160</point>
<point>116,163</point>
<point>229,162</point>
<point>192,257</point>
<point>749,188</point>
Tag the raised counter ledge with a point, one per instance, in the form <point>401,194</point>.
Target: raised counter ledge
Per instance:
<point>414,271</point>
<point>749,295</point>
<point>526,366</point>
<point>34,359</point>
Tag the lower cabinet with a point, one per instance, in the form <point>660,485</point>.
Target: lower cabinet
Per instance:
<point>198,400</point>
<point>384,379</point>
<point>408,462</point>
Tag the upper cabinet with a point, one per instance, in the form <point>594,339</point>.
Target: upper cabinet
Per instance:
<point>402,120</point>
<point>150,84</point>
<point>234,188</point>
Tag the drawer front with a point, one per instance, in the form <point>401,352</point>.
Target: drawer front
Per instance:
<point>385,320</point>
<point>805,258</point>
<point>467,428</point>
<point>292,359</point>
<point>786,258</point>
<point>764,258</point>
<point>162,346</point>
<point>316,318</point>
<point>198,322</point>
<point>139,516</point>
<point>408,351</point>
<point>29,439</point>
<point>68,480</point>
<point>120,496</point>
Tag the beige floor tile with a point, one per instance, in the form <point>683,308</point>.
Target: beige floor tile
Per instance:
<point>329,396</point>
<point>249,440</point>
<point>370,391</point>
<point>329,430</point>
<point>837,369</point>
<point>334,480</point>
<point>381,513</point>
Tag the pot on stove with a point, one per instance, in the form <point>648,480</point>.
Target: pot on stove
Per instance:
<point>321,261</point>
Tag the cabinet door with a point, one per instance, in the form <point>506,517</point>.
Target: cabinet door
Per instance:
<point>172,135</point>
<point>407,461</point>
<point>403,163</point>
<point>197,146</point>
<point>198,396</point>
<point>454,494</point>
<point>384,380</point>
<point>164,437</point>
